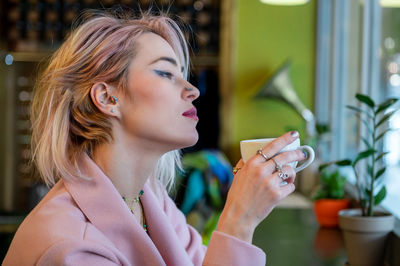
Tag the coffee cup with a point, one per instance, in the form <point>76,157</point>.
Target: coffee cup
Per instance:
<point>249,148</point>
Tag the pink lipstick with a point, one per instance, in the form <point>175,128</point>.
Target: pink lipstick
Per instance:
<point>191,113</point>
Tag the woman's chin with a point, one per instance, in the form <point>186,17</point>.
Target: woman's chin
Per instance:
<point>190,141</point>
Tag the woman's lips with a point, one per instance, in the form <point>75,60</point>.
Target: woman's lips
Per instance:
<point>191,113</point>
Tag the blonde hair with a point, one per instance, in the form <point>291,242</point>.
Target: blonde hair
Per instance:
<point>65,122</point>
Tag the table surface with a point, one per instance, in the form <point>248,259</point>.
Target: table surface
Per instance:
<point>289,236</point>
<point>292,236</point>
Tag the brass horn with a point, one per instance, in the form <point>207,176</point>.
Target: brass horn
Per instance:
<point>280,87</point>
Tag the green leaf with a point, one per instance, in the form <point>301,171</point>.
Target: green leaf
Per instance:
<point>383,106</point>
<point>345,162</point>
<point>384,118</point>
<point>380,172</point>
<point>382,134</point>
<point>363,155</point>
<point>365,99</point>
<point>380,156</point>
<point>332,185</point>
<point>380,196</point>
<point>320,195</point>
<point>366,143</point>
<point>359,110</point>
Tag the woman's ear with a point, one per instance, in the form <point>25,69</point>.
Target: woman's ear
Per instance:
<point>101,96</point>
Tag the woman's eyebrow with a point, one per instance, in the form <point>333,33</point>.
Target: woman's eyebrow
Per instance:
<point>168,59</point>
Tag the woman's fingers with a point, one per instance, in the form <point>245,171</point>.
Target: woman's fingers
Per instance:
<point>281,184</point>
<point>287,174</point>
<point>256,189</point>
<point>239,164</point>
<point>288,157</point>
<point>282,159</point>
<point>278,144</point>
<point>287,190</point>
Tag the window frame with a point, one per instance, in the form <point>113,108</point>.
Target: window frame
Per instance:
<point>334,70</point>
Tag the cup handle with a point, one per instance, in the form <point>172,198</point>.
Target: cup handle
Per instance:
<point>309,160</point>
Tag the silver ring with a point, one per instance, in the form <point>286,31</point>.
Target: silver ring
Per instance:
<point>278,167</point>
<point>282,175</point>
<point>262,154</point>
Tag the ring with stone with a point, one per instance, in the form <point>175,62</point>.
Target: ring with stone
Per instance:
<point>235,170</point>
<point>282,175</point>
<point>262,154</point>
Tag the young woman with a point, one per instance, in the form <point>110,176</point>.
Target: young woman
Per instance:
<point>109,115</point>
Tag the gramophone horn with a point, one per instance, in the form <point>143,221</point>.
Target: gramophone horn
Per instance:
<point>280,87</point>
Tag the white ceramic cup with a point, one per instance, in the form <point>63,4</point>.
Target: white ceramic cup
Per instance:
<point>249,148</point>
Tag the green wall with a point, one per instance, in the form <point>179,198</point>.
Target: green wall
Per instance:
<point>265,37</point>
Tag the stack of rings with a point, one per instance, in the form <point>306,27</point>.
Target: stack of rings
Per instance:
<point>278,168</point>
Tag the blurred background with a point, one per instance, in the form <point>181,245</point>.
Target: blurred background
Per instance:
<point>326,51</point>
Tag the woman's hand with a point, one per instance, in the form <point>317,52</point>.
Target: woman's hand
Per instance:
<point>256,188</point>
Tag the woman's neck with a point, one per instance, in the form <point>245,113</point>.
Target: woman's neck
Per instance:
<point>127,165</point>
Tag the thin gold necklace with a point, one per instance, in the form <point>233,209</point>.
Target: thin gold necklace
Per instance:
<point>137,200</point>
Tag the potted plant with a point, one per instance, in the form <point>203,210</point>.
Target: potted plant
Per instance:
<point>365,229</point>
<point>329,198</point>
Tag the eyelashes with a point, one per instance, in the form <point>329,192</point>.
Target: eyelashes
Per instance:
<point>164,74</point>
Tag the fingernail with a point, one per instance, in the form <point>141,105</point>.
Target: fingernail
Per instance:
<point>305,154</point>
<point>294,134</point>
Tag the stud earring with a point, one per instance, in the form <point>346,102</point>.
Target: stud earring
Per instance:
<point>114,98</point>
<point>112,110</point>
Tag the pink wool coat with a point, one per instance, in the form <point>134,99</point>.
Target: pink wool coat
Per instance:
<point>86,222</point>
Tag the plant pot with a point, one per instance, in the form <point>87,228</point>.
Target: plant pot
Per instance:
<point>365,237</point>
<point>326,211</point>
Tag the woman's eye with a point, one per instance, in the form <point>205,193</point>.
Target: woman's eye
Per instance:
<point>164,74</point>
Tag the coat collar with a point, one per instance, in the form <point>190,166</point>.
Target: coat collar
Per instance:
<point>162,231</point>
<point>104,207</point>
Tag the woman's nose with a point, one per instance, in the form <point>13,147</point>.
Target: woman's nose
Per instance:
<point>190,92</point>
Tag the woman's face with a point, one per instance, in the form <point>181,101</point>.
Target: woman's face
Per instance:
<point>157,109</point>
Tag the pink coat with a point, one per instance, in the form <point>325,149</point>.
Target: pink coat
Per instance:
<point>86,222</point>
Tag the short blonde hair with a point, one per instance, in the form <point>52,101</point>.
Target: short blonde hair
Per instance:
<point>65,122</point>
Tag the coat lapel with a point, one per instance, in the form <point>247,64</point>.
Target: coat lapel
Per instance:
<point>103,206</point>
<point>162,232</point>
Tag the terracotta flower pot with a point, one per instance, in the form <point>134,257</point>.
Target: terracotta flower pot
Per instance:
<point>326,211</point>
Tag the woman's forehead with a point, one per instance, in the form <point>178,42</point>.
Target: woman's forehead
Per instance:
<point>151,47</point>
